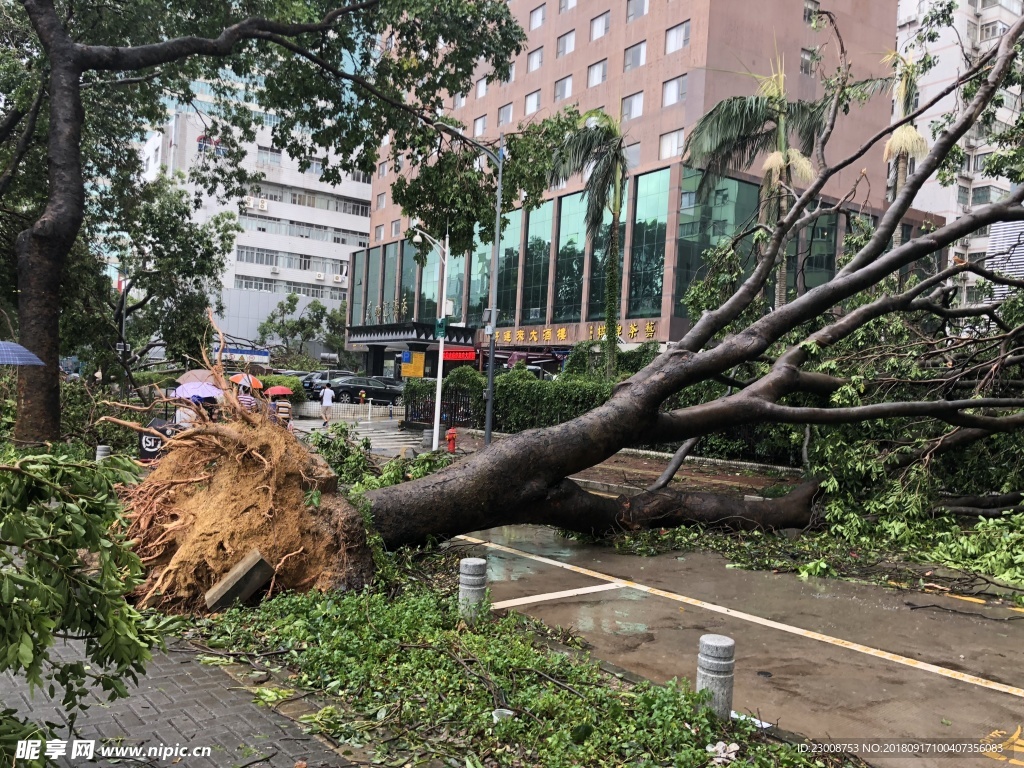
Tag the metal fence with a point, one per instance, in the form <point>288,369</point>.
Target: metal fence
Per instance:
<point>456,410</point>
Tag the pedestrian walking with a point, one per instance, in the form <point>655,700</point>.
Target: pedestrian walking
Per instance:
<point>246,400</point>
<point>326,401</point>
<point>281,411</point>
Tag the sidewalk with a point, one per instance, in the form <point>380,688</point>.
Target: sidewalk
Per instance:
<point>179,702</point>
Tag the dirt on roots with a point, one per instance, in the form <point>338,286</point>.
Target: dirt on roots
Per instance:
<point>224,489</point>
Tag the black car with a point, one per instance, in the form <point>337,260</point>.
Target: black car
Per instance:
<point>389,381</point>
<point>315,381</point>
<point>347,389</point>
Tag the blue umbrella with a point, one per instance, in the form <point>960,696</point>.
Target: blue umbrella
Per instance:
<point>15,354</point>
<point>197,389</point>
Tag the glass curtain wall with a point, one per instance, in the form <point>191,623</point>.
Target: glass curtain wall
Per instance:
<point>479,283</point>
<point>374,311</point>
<point>572,243</point>
<point>428,287</point>
<point>455,274</point>
<point>602,242</point>
<point>647,248</point>
<point>536,265</point>
<point>390,273</point>
<point>357,282</point>
<point>407,287</point>
<point>508,268</point>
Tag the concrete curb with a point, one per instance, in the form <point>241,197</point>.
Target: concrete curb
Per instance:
<point>698,460</point>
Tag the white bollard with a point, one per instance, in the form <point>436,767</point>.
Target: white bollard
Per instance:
<point>716,662</point>
<point>102,452</point>
<point>472,587</point>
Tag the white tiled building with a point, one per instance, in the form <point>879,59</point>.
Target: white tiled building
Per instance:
<point>978,23</point>
<point>299,231</point>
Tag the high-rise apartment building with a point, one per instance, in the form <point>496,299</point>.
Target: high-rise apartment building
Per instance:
<point>977,25</point>
<point>658,66</point>
<point>299,231</point>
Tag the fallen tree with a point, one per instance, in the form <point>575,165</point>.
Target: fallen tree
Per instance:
<point>884,342</point>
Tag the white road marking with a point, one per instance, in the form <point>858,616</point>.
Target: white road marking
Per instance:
<point>556,595</point>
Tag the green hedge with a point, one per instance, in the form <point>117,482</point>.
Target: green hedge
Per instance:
<point>294,383</point>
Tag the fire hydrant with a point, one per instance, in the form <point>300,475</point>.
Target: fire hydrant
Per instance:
<point>450,437</point>
<point>362,396</point>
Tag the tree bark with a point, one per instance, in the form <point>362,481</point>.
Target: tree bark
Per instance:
<point>42,250</point>
<point>612,299</point>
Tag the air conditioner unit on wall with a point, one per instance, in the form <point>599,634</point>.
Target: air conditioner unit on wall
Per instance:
<point>275,270</point>
<point>263,204</point>
<point>320,276</point>
<point>337,278</point>
<point>250,201</point>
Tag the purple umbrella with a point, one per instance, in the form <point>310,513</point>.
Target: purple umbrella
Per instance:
<point>197,389</point>
<point>15,354</point>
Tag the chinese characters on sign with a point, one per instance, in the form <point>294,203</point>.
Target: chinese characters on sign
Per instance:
<point>634,330</point>
<point>414,367</point>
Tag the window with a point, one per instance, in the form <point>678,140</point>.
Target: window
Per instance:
<point>382,170</point>
<point>537,17</point>
<point>382,200</point>
<point>534,59</point>
<point>635,9</point>
<point>632,155</point>
<point>634,56</point>
<point>963,195</point>
<point>806,62</point>
<point>268,156</point>
<point>532,102</point>
<point>511,73</point>
<point>565,44</point>
<point>316,166</point>
<point>979,160</point>
<point>505,115</point>
<point>599,27</point>
<point>671,145</point>
<point>378,232</point>
<point>677,38</point>
<point>361,177</point>
<point>566,5</point>
<point>459,101</point>
<point>480,125</point>
<point>811,8</point>
<point>992,30</point>
<point>399,163</point>
<point>597,73</point>
<point>481,87</point>
<point>563,88</point>
<point>989,194</point>
<point>633,106</point>
<point>673,91</point>
<point>396,227</point>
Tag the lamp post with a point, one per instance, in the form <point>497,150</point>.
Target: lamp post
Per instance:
<point>492,312</point>
<point>443,250</point>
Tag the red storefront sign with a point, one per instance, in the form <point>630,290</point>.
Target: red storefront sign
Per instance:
<point>460,354</point>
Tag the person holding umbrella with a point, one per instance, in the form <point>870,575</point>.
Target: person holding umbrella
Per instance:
<point>280,406</point>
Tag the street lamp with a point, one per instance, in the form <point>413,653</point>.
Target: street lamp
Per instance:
<point>491,313</point>
<point>440,324</point>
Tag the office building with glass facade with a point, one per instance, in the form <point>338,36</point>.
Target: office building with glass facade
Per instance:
<point>658,68</point>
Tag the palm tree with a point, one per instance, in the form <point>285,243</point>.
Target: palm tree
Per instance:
<point>906,141</point>
<point>740,129</point>
<point>598,148</point>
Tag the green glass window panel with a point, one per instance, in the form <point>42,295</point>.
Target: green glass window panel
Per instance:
<point>820,264</point>
<point>572,243</point>
<point>430,282</point>
<point>730,208</point>
<point>455,274</point>
<point>357,283</point>
<point>647,249</point>
<point>407,285</point>
<point>595,308</point>
<point>479,282</point>
<point>374,311</point>
<point>536,265</point>
<point>508,268</point>
<point>390,274</point>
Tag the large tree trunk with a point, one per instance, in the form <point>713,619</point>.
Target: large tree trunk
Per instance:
<point>902,168</point>
<point>612,300</point>
<point>42,251</point>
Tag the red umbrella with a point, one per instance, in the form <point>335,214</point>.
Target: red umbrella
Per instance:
<point>278,390</point>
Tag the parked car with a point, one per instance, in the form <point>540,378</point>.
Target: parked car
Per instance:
<point>296,374</point>
<point>390,382</point>
<point>315,381</point>
<point>347,389</point>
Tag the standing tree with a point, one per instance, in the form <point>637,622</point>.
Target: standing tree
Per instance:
<point>293,330</point>
<point>739,130</point>
<point>340,76</point>
<point>906,141</point>
<point>597,150</point>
